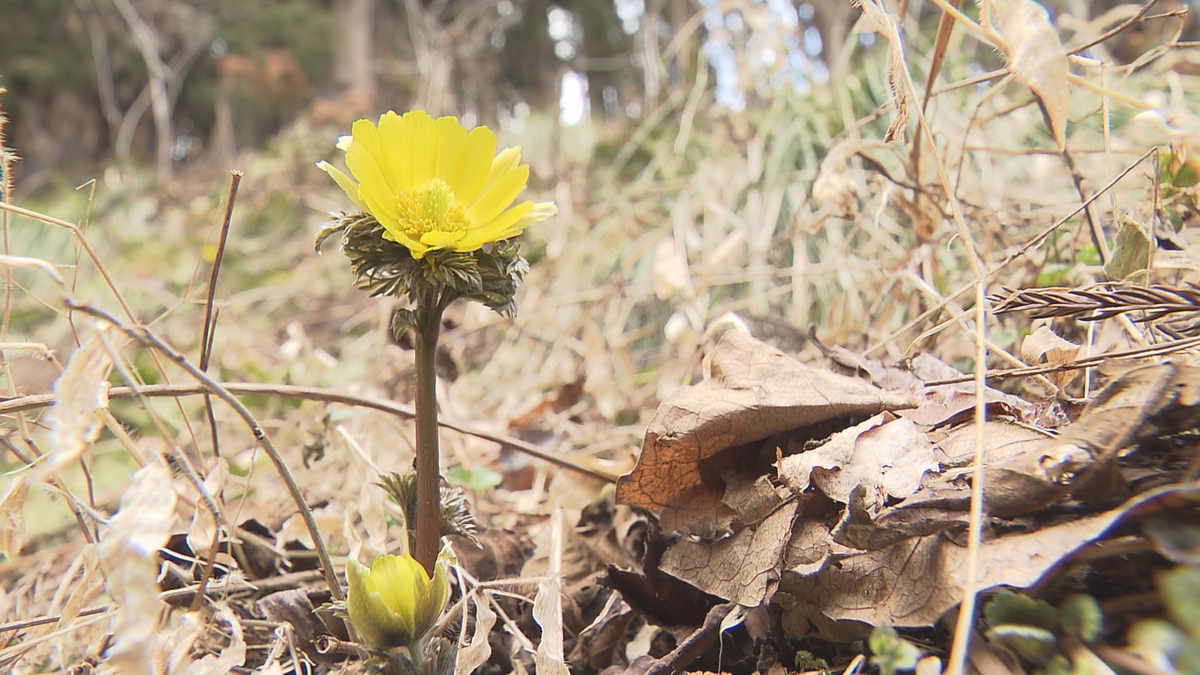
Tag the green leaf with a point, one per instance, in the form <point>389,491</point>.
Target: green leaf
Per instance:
<point>1156,636</point>
<point>1058,665</point>
<point>402,321</point>
<point>1134,251</point>
<point>890,652</point>
<point>1180,591</point>
<point>475,480</point>
<point>1080,615</point>
<point>1007,607</point>
<point>1029,642</point>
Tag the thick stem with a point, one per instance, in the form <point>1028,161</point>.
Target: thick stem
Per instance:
<point>428,465</point>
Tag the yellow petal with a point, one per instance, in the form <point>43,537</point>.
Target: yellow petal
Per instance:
<point>475,163</point>
<point>539,212</point>
<point>499,195</point>
<point>378,626</point>
<point>438,239</point>
<point>393,578</point>
<point>451,137</point>
<point>373,187</point>
<point>502,165</point>
<point>369,144</point>
<point>394,233</point>
<point>494,230</point>
<point>345,182</point>
<point>422,137</point>
<point>393,137</point>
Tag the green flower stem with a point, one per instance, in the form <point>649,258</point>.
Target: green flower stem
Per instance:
<point>429,325</point>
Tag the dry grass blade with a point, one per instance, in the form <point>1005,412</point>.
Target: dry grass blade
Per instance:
<point>876,19</point>
<point>1097,303</point>
<point>547,607</point>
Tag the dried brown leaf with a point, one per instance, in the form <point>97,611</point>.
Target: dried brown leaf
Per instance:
<point>12,519</point>
<point>738,568</point>
<point>1036,58</point>
<point>204,528</point>
<point>231,657</point>
<point>755,391</point>
<point>1143,403</point>
<point>80,391</point>
<point>1043,347</point>
<point>913,582</point>
<point>885,452</point>
<point>129,556</point>
<point>942,402</point>
<point>477,653</point>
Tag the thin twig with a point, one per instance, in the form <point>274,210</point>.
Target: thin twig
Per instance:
<point>147,337</point>
<point>35,401</point>
<point>693,645</point>
<point>210,328</point>
<point>1161,349</point>
<point>1115,30</point>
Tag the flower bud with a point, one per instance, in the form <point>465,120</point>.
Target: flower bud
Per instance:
<point>395,603</point>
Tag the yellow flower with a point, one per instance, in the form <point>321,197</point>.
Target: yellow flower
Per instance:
<point>432,185</point>
<point>395,603</point>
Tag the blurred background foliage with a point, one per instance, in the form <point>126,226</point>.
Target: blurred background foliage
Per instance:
<point>84,76</point>
<point>698,123</point>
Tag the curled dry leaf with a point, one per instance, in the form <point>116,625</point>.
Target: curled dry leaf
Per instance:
<point>80,391</point>
<point>547,611</point>
<point>669,270</point>
<point>834,187</point>
<point>1143,403</point>
<point>1134,252</point>
<point>477,653</point>
<point>129,556</point>
<point>1036,58</point>
<point>755,391</point>
<point>203,530</point>
<point>85,590</point>
<point>1044,347</point>
<point>232,656</point>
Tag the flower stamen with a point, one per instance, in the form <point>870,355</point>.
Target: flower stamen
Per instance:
<point>431,209</point>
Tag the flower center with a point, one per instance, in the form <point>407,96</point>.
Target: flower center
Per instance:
<point>430,208</point>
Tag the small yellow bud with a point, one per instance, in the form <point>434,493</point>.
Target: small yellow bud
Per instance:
<point>395,603</point>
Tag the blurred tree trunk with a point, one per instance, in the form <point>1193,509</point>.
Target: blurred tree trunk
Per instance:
<point>529,60</point>
<point>606,50</point>
<point>680,14</point>
<point>834,19</point>
<point>354,65</point>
